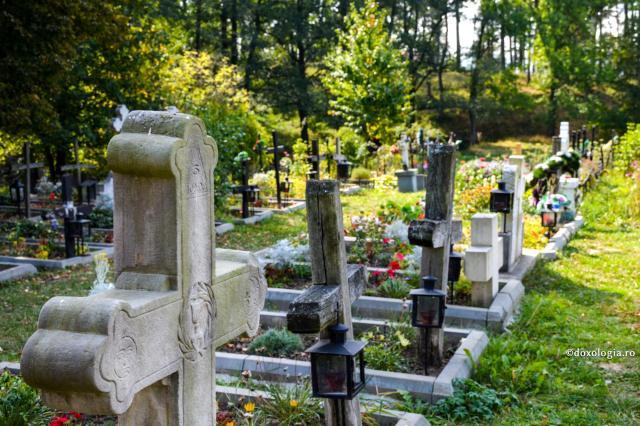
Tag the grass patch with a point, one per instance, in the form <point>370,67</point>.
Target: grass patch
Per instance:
<point>588,299</point>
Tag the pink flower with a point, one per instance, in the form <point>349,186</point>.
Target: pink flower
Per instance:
<point>386,240</point>
<point>399,256</point>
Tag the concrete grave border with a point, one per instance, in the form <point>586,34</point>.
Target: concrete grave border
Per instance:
<point>58,264</point>
<point>561,238</point>
<point>17,270</point>
<point>428,388</point>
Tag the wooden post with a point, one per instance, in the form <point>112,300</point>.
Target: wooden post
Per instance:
<point>335,288</point>
<point>434,235</point>
<point>276,165</point>
<point>27,186</point>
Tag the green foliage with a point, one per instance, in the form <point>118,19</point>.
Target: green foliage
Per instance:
<point>472,401</point>
<point>628,149</point>
<point>19,404</point>
<point>291,406</point>
<point>367,77</point>
<point>396,288</point>
<point>101,218</point>
<point>386,348</point>
<point>392,211</point>
<point>276,343</point>
<point>360,173</point>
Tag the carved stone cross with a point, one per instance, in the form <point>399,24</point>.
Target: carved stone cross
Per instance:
<point>336,285</point>
<point>434,234</point>
<point>145,350</point>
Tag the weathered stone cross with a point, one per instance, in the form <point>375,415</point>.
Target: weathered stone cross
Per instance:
<point>145,350</point>
<point>434,234</point>
<point>336,285</point>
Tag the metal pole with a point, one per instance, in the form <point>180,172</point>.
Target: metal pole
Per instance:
<point>276,164</point>
<point>27,187</point>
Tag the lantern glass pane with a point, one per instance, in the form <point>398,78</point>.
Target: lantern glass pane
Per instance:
<point>331,373</point>
<point>548,219</point>
<point>428,314</point>
<point>356,371</point>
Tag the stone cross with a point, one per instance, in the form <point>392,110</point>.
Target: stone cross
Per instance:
<point>513,237</point>
<point>564,136</point>
<point>336,285</point>
<point>338,157</point>
<point>568,187</point>
<point>145,350</point>
<point>276,150</point>
<point>314,160</point>
<point>404,151</point>
<point>434,234</point>
<point>483,259</point>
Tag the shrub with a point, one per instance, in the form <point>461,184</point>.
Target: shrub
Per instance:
<point>277,343</point>
<point>19,404</point>
<point>628,149</point>
<point>101,218</point>
<point>395,288</point>
<point>360,173</point>
<point>472,401</point>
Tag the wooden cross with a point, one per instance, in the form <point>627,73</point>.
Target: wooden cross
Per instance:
<point>77,166</point>
<point>336,285</point>
<point>27,166</point>
<point>314,159</point>
<point>276,165</point>
<point>433,233</point>
<point>145,350</point>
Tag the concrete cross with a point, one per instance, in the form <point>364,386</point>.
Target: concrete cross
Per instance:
<point>336,285</point>
<point>513,237</point>
<point>404,151</point>
<point>434,234</point>
<point>145,350</point>
<point>483,258</point>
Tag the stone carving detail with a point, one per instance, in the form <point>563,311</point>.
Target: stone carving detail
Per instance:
<point>197,180</point>
<point>125,357</point>
<point>195,333</point>
<point>256,294</point>
<point>119,361</point>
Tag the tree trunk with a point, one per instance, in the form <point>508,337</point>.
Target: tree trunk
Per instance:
<point>553,107</point>
<point>253,45</point>
<point>458,48</point>
<point>502,52</point>
<point>234,32</point>
<point>198,41</point>
<point>224,36</point>
<point>474,83</point>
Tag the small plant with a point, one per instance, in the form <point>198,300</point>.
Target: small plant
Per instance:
<point>277,343</point>
<point>101,218</point>
<point>19,404</point>
<point>289,406</point>
<point>385,349</point>
<point>360,173</point>
<point>396,288</point>
<point>472,401</point>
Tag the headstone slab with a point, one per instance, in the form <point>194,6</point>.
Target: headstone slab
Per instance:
<point>155,330</point>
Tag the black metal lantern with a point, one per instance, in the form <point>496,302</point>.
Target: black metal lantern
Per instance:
<point>344,170</point>
<point>428,305</point>
<point>253,193</point>
<point>16,192</point>
<point>337,365</point>
<point>285,186</point>
<point>501,199</point>
<point>549,221</point>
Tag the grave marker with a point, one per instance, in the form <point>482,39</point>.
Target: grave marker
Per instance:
<point>513,238</point>
<point>28,166</point>
<point>144,350</point>
<point>483,258</point>
<point>434,234</point>
<point>275,150</point>
<point>564,136</point>
<point>314,159</point>
<point>336,285</point>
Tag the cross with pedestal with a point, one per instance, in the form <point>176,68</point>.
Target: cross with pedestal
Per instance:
<point>336,285</point>
<point>483,258</point>
<point>145,350</point>
<point>276,150</point>
<point>433,233</point>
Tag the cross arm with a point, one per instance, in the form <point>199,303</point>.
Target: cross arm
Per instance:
<point>429,233</point>
<point>316,308</point>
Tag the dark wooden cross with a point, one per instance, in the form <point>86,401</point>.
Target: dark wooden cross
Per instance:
<point>77,167</point>
<point>314,159</point>
<point>276,150</point>
<point>336,285</point>
<point>27,167</point>
<point>260,149</point>
<point>433,233</point>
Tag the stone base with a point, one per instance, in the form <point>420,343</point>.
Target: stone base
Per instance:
<point>16,270</point>
<point>421,181</point>
<point>407,181</point>
<point>506,251</point>
<point>482,293</point>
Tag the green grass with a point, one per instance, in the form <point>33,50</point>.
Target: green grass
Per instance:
<point>21,301</point>
<point>588,299</point>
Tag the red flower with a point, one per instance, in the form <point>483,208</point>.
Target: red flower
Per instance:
<point>376,273</point>
<point>394,265</point>
<point>399,256</point>
<point>76,415</point>
<point>59,421</point>
<point>391,273</point>
<point>386,240</point>
<point>52,196</point>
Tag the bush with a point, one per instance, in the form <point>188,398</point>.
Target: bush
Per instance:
<point>360,173</point>
<point>628,149</point>
<point>472,401</point>
<point>19,404</point>
<point>101,218</point>
<point>277,343</point>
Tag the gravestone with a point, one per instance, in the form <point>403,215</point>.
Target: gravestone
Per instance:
<point>483,258</point>
<point>568,187</point>
<point>404,151</point>
<point>564,136</point>
<point>336,285</point>
<point>434,234</point>
<point>513,237</point>
<point>145,350</point>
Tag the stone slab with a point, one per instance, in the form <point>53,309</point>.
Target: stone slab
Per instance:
<point>16,270</point>
<point>224,228</point>
<point>525,263</point>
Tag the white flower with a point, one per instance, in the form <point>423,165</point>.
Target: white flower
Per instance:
<point>397,230</point>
